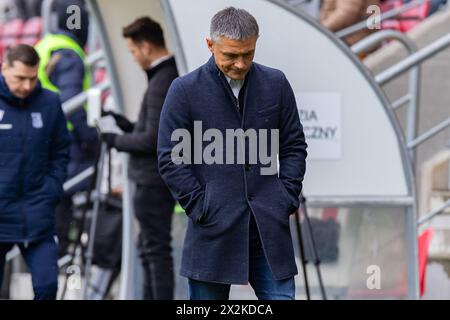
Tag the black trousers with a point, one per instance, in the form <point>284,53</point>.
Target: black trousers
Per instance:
<point>153,208</point>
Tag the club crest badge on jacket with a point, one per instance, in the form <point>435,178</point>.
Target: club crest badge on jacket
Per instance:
<point>36,120</point>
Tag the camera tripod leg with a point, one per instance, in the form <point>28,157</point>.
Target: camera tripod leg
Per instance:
<point>315,255</point>
<point>302,253</point>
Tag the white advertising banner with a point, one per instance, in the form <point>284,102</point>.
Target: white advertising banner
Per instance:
<point>320,114</point>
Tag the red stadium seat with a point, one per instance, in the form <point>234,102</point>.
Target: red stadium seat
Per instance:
<point>414,16</point>
<point>391,25</point>
<point>32,30</point>
<point>390,4</point>
<point>11,33</point>
<point>407,20</point>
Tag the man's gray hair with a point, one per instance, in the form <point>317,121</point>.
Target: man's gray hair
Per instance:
<point>235,24</point>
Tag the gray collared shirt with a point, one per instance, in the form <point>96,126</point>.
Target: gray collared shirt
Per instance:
<point>235,85</point>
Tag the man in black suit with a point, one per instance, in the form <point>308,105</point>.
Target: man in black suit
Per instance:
<point>153,202</point>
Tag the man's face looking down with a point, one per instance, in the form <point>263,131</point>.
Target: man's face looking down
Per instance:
<point>233,57</point>
<point>20,78</point>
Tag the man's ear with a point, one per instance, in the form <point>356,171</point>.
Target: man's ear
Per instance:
<point>146,47</point>
<point>4,66</point>
<point>210,44</point>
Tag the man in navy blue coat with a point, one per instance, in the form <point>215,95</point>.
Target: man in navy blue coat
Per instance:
<point>213,121</point>
<point>34,155</point>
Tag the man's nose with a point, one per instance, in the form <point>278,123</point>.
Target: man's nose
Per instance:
<point>27,85</point>
<point>239,64</point>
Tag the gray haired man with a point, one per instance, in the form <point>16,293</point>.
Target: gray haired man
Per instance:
<point>238,231</point>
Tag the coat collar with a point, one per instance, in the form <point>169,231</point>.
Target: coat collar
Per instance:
<point>152,71</point>
<point>218,74</point>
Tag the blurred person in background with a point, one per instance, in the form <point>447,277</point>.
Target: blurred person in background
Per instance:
<point>153,202</point>
<point>63,70</point>
<point>336,15</point>
<point>435,5</point>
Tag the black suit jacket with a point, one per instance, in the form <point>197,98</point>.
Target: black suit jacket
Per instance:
<point>142,142</point>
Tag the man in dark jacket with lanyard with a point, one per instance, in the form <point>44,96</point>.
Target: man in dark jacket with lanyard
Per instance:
<point>34,155</point>
<point>153,202</point>
<point>238,231</point>
<point>63,70</point>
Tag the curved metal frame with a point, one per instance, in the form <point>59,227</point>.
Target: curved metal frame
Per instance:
<point>126,283</point>
<point>46,16</point>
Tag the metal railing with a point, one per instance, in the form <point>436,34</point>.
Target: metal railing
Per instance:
<point>416,58</point>
<point>429,134</point>
<point>410,63</point>
<point>46,14</point>
<point>73,104</point>
<point>405,65</point>
<point>85,174</point>
<point>95,58</point>
<point>414,78</point>
<point>366,202</point>
<point>433,213</point>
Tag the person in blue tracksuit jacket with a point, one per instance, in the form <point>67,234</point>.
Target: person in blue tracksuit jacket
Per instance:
<point>34,154</point>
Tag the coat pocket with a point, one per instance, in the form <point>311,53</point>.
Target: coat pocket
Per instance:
<point>211,206</point>
<point>204,215</point>
<point>286,195</point>
<point>53,189</point>
<point>9,167</point>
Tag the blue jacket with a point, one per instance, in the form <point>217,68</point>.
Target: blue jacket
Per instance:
<point>34,154</point>
<point>219,198</point>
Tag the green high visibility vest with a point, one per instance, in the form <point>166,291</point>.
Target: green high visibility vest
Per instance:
<point>178,209</point>
<point>49,44</point>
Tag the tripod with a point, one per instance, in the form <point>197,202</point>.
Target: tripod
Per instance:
<point>313,248</point>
